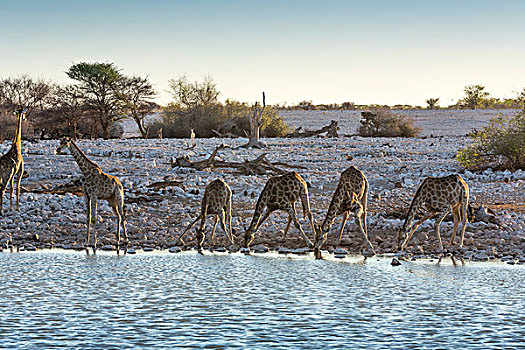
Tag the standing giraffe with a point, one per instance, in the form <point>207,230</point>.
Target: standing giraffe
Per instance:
<point>281,193</point>
<point>437,195</point>
<point>97,184</point>
<point>12,164</point>
<point>217,200</point>
<point>350,196</point>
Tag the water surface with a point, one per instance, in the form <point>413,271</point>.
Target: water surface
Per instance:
<point>51,299</point>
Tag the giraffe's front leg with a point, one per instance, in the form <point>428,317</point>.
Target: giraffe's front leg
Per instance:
<point>11,187</point>
<point>345,218</point>
<point>222,217</point>
<point>359,213</point>
<point>257,221</point>
<point>201,231</point>
<point>88,221</point>
<point>414,228</point>
<point>118,233</point>
<point>289,221</point>
<point>18,181</point>
<point>118,208</point>
<point>291,213</point>
<point>94,213</point>
<point>457,219</point>
<point>228,218</point>
<point>287,226</point>
<point>2,191</point>
<point>215,222</point>
<point>437,224</point>
<point>10,242</point>
<point>199,237</point>
<point>360,225</point>
<point>464,219</point>
<point>190,226</point>
<point>122,218</point>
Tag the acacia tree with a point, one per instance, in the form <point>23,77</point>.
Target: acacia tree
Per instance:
<point>474,95</point>
<point>137,95</point>
<point>101,84</point>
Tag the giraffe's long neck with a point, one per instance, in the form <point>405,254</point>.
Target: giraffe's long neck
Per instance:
<point>414,207</point>
<point>17,141</point>
<point>84,163</point>
<point>259,208</point>
<point>333,208</point>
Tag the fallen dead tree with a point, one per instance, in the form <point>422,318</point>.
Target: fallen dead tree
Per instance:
<point>330,130</point>
<point>224,135</point>
<point>257,166</point>
<point>73,187</point>
<point>145,198</point>
<point>167,183</point>
<point>255,125</point>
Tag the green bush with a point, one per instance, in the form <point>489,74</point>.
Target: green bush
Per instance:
<point>383,123</point>
<point>230,118</point>
<point>500,145</point>
<point>177,122</point>
<point>273,125</point>
<point>196,106</point>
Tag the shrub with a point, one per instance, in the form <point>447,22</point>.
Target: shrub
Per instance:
<point>196,106</point>
<point>177,122</point>
<point>499,145</point>
<point>383,123</point>
<point>230,118</point>
<point>272,124</point>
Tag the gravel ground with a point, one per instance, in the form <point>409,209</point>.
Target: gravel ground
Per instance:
<point>394,168</point>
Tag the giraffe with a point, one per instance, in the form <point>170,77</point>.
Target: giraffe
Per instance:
<point>97,184</point>
<point>12,164</point>
<point>350,196</point>
<point>217,200</point>
<point>281,193</point>
<point>437,195</point>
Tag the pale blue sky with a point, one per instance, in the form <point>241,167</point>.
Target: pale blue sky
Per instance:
<point>325,51</point>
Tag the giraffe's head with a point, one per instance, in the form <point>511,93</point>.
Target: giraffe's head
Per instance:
<point>21,111</point>
<point>248,237</point>
<point>402,235</point>
<point>65,142</point>
<point>319,236</point>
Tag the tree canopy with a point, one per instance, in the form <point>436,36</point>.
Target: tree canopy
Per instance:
<point>101,84</point>
<point>474,95</point>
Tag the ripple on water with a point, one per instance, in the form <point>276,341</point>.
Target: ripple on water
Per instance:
<point>49,299</point>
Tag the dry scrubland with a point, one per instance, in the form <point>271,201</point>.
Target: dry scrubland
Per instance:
<point>394,167</point>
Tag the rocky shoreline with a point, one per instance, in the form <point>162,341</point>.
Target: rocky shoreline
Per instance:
<point>157,216</point>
